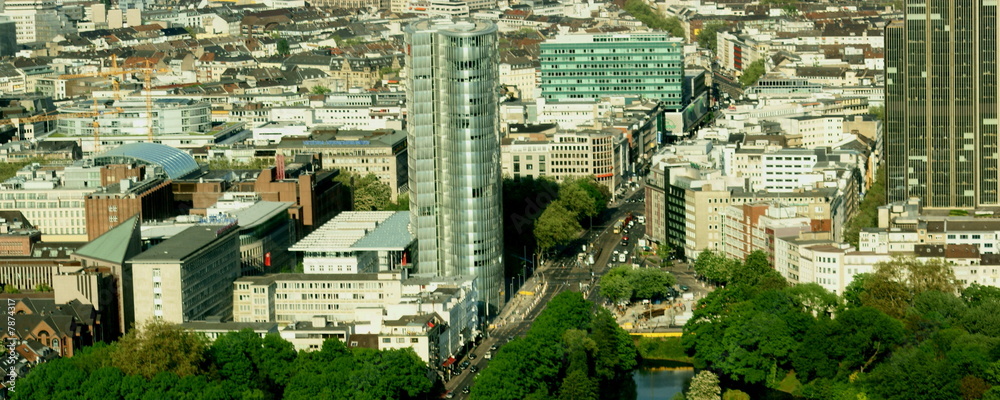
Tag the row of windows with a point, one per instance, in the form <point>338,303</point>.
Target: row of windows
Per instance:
<point>963,237</point>
<point>400,340</point>
<point>675,68</point>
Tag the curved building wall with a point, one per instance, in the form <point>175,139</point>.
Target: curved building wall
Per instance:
<point>454,151</point>
<point>170,117</point>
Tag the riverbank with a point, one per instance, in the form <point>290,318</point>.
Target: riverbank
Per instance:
<point>662,349</point>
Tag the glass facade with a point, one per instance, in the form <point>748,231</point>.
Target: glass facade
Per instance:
<point>941,104</point>
<point>585,66</point>
<point>454,151</point>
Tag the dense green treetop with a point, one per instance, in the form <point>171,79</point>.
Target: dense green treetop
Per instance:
<point>161,361</point>
<point>572,351</point>
<point>901,332</point>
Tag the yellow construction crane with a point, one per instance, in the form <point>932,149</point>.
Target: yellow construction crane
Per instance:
<point>147,73</point>
<point>17,122</point>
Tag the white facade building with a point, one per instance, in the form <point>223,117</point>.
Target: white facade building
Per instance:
<point>36,20</point>
<point>358,242</point>
<point>454,151</point>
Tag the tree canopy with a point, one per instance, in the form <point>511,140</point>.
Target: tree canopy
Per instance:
<point>562,218</point>
<point>160,361</point>
<point>627,283</point>
<point>371,194</point>
<point>707,35</point>
<point>653,19</point>
<point>283,47</point>
<point>573,351</point>
<point>902,332</point>
<point>752,73</point>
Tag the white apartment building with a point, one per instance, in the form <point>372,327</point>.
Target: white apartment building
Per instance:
<point>789,170</point>
<point>290,298</point>
<point>12,80</point>
<point>345,117</point>
<point>434,316</point>
<point>36,20</point>
<point>571,114</point>
<point>816,131</point>
<point>523,75</point>
<point>568,155</point>
<point>440,8</point>
<point>52,199</point>
<point>358,242</point>
<point>983,234</point>
<point>737,52</point>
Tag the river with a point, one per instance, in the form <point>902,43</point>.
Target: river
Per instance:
<point>661,380</point>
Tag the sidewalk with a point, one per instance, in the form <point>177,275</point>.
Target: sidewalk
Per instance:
<point>514,310</point>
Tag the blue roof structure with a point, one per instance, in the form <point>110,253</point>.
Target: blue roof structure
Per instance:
<point>175,163</point>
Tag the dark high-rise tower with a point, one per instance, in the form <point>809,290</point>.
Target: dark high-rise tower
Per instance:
<point>941,104</point>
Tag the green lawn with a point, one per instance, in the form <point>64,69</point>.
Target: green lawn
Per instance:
<point>790,384</point>
<point>668,348</point>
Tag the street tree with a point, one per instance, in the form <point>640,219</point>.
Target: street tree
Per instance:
<point>895,283</point>
<point>319,90</point>
<point>714,267</point>
<point>650,283</point>
<point>577,200</point>
<point>665,253</point>
<point>556,226</point>
<point>751,272</point>
<point>599,193</point>
<point>616,288</point>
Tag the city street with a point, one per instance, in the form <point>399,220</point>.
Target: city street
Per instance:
<point>557,274</point>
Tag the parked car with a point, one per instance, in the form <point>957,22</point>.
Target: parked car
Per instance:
<point>449,395</point>
<point>465,364</point>
<point>684,288</point>
<point>472,356</point>
<point>474,369</point>
<point>466,390</point>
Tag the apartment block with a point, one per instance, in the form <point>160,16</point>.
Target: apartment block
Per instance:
<point>568,155</point>
<point>187,277</point>
<point>379,152</point>
<point>386,310</point>
<point>742,232</point>
<point>290,298</point>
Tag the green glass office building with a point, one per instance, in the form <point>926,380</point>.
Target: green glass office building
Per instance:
<point>634,65</point>
<point>941,104</point>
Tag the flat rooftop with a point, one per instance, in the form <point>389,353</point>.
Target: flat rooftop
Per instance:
<point>181,245</point>
<point>360,231</point>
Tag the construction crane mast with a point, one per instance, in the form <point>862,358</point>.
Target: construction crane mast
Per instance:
<point>97,112</point>
<point>147,72</point>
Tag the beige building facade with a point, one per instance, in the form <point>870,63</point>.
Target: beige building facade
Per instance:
<point>187,277</point>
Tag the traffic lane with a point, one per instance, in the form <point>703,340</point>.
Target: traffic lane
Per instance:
<point>560,279</point>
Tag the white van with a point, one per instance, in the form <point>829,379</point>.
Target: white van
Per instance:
<point>641,219</point>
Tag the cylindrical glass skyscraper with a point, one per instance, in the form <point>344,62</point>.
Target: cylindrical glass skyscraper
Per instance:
<point>454,152</point>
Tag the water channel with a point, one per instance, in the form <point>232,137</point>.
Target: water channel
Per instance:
<point>661,380</point>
